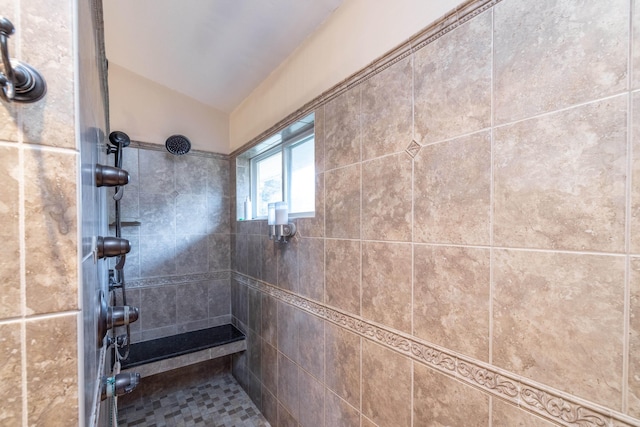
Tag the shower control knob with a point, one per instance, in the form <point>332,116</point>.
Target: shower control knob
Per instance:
<point>111,176</point>
<point>119,384</point>
<point>112,246</point>
<point>121,315</point>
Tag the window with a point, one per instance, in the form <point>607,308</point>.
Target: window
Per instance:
<point>285,170</point>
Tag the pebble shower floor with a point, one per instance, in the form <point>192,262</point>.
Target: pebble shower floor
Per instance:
<point>220,402</point>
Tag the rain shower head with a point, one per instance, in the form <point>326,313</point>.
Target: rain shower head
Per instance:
<point>178,145</point>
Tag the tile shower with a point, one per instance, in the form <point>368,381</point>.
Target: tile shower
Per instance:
<point>474,255</point>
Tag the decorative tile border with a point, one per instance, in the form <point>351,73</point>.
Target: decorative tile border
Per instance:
<point>555,405</point>
<point>159,147</point>
<point>176,280</point>
<point>447,23</point>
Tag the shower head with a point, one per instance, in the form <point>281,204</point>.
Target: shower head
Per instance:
<point>178,145</point>
<point>119,139</point>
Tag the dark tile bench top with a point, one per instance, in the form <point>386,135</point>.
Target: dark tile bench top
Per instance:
<point>177,345</point>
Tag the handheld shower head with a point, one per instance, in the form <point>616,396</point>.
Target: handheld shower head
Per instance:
<point>119,139</point>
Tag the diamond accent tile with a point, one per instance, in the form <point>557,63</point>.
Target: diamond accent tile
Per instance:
<point>413,149</point>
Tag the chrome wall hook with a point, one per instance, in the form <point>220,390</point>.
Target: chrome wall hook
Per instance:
<point>20,82</point>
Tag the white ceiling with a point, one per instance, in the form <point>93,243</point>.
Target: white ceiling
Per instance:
<point>215,51</point>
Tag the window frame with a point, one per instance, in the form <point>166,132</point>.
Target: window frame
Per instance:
<point>284,147</point>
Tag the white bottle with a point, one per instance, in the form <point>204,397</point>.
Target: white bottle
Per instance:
<point>247,210</point>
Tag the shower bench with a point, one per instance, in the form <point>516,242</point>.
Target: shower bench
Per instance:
<point>176,351</point>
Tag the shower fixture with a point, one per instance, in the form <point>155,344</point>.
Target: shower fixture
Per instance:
<point>111,176</point>
<point>178,145</point>
<point>111,246</point>
<point>20,82</point>
<point>119,384</point>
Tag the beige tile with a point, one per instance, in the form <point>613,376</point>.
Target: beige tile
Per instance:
<point>311,400</point>
<point>319,137</point>
<point>342,198</point>
<point>387,110</point>
<point>285,418</point>
<point>452,191</point>
<point>270,368</point>
<point>386,198</point>
<point>342,274</point>
<point>505,415</point>
<point>339,413</point>
<point>288,330</point>
<point>314,226</point>
<point>311,268</point>
<point>311,343</point>
<point>10,375</point>
<point>453,82</point>
<point>288,393</point>
<point>440,401</point>
<point>10,305</point>
<point>380,366</point>
<point>560,179</point>
<point>580,49</point>
<point>451,298</point>
<point>635,174</point>
<point>288,277</point>
<point>269,319</point>
<point>342,133</point>
<point>542,302</point>
<point>386,284</point>
<point>52,376</point>
<point>634,340</point>
<point>342,359</point>
<point>635,44</point>
<point>51,235</point>
<point>45,33</point>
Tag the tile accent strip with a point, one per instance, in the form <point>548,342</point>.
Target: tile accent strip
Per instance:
<point>158,147</point>
<point>447,23</point>
<point>549,403</point>
<point>175,280</point>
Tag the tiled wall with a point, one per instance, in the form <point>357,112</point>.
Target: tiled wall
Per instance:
<point>177,272</point>
<point>41,375</point>
<point>474,255</point>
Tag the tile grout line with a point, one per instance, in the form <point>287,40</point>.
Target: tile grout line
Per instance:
<point>628,196</point>
<point>491,203</point>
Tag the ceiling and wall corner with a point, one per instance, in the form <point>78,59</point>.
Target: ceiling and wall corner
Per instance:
<point>222,72</point>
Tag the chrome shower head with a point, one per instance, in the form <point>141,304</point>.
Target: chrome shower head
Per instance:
<point>178,145</point>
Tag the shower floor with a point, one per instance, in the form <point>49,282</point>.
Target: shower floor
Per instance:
<point>221,402</point>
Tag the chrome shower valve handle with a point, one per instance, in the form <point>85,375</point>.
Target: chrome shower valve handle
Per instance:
<point>20,82</point>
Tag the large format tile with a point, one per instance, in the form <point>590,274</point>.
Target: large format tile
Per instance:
<point>452,189</point>
<point>311,268</point>
<point>154,262</point>
<point>288,385</point>
<point>505,415</point>
<point>311,343</point>
<point>634,243</point>
<point>343,362</point>
<point>439,401</point>
<point>191,214</point>
<point>192,302</point>
<point>10,375</point>
<point>542,302</point>
<point>634,340</point>
<point>560,179</point>
<point>46,43</point>
<point>10,305</point>
<point>157,171</point>
<point>192,254</point>
<point>451,296</point>
<point>311,400</point>
<point>342,198</point>
<point>557,53</point>
<point>342,274</point>
<point>380,366</point>
<point>191,174</point>
<point>386,110</point>
<point>51,236</point>
<point>386,284</point>
<point>337,412</point>
<point>386,198</point>
<point>158,213</point>
<point>52,376</point>
<point>288,330</point>
<point>157,307</point>
<point>453,82</point>
<point>342,133</point>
